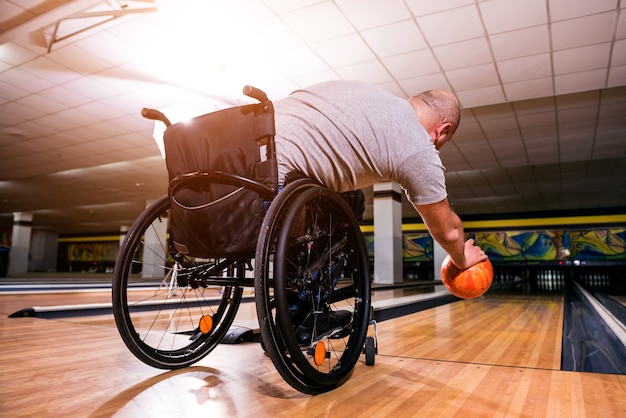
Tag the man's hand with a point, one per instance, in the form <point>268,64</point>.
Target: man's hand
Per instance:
<point>473,254</point>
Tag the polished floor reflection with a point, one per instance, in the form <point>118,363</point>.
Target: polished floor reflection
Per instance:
<point>498,355</point>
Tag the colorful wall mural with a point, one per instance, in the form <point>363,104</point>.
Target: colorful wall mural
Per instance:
<point>550,245</point>
<point>520,245</point>
<point>598,244</point>
<point>100,252</point>
<point>607,244</point>
<point>416,246</point>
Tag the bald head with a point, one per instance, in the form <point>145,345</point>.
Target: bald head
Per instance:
<point>439,112</point>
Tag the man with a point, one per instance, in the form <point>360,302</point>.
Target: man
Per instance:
<point>347,135</point>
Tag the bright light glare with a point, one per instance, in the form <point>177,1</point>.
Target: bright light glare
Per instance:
<point>205,46</point>
<point>175,113</point>
<point>210,48</point>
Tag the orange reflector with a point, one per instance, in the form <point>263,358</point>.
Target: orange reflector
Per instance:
<point>206,324</point>
<point>320,353</point>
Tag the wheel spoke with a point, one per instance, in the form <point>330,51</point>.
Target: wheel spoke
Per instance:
<point>159,300</point>
<point>314,255</point>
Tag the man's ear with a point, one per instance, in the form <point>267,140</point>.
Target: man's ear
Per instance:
<point>442,134</point>
<point>443,130</point>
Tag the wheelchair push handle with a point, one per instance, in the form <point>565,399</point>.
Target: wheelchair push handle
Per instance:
<point>255,93</point>
<point>154,114</point>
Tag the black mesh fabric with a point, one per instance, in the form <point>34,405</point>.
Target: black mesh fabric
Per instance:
<point>210,218</point>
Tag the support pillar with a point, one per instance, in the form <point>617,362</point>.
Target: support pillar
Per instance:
<point>438,255</point>
<point>123,233</point>
<point>20,242</point>
<point>153,251</point>
<point>387,233</point>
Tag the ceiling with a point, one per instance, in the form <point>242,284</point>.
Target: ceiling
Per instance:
<point>541,83</point>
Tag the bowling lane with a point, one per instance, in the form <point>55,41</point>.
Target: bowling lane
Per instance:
<point>494,356</point>
<point>11,302</point>
<point>499,329</point>
<point>620,299</point>
<point>386,293</point>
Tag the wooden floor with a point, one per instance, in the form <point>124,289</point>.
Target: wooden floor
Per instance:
<point>497,356</point>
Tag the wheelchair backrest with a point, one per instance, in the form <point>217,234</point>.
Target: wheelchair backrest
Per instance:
<point>222,169</point>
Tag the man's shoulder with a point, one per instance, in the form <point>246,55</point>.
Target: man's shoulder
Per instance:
<point>338,83</point>
<point>345,88</point>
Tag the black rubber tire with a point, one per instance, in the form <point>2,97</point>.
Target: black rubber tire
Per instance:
<point>160,324</point>
<point>370,351</point>
<point>308,218</point>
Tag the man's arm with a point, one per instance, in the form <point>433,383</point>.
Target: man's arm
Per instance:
<point>446,228</point>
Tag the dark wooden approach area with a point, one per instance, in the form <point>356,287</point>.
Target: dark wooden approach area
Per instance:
<point>496,356</point>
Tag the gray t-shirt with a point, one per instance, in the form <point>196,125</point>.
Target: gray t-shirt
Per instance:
<point>347,135</point>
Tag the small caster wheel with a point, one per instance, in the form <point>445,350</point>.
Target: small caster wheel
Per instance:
<point>370,351</point>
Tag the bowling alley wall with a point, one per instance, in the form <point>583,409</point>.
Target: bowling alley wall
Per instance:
<point>528,248</point>
<point>545,244</point>
<point>582,240</point>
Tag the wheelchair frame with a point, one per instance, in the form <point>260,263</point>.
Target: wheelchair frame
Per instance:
<point>173,309</point>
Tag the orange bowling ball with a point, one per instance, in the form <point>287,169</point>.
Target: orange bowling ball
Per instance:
<point>469,283</point>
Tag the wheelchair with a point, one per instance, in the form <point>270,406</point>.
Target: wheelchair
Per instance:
<point>223,227</point>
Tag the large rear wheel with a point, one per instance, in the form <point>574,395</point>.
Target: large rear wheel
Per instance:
<point>169,312</point>
<point>312,287</point>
